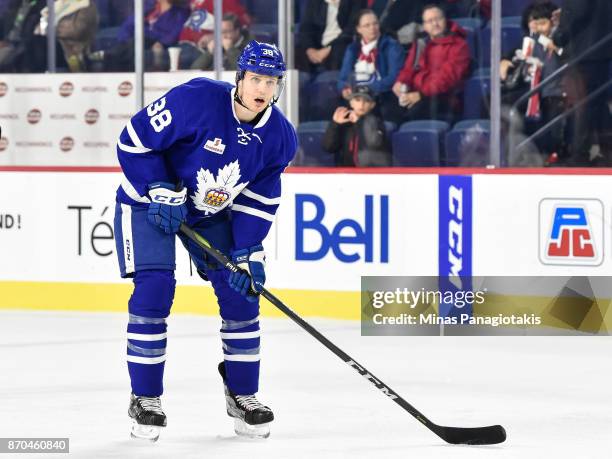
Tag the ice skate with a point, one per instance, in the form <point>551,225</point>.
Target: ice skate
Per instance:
<point>251,418</point>
<point>148,417</point>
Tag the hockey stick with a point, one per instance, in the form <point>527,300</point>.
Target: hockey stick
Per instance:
<point>489,435</point>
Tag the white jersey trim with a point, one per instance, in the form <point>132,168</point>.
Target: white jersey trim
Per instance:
<point>146,360</point>
<point>132,193</point>
<point>243,335</point>
<point>254,212</point>
<point>129,149</point>
<point>128,240</point>
<point>257,197</point>
<point>242,357</point>
<point>134,137</point>
<point>145,337</point>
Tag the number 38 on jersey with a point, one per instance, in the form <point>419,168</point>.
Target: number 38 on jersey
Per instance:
<point>159,118</point>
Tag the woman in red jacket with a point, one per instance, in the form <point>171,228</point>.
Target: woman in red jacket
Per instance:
<point>435,70</point>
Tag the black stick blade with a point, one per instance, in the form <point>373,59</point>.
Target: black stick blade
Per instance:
<point>490,435</point>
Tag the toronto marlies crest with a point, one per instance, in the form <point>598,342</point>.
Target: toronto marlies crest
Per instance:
<point>215,194</point>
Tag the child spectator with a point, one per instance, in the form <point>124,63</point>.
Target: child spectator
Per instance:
<point>550,102</point>
<point>357,136</point>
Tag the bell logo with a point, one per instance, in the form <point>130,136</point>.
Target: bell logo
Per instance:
<point>349,240</point>
<point>571,232</point>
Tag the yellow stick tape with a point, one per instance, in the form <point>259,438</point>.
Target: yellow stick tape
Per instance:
<point>69,296</point>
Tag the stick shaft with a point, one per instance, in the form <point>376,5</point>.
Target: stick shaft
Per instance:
<point>226,262</point>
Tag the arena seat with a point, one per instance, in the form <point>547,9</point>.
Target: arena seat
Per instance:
<point>475,93</point>
<point>310,152</point>
<point>512,38</point>
<point>467,142</point>
<point>418,143</point>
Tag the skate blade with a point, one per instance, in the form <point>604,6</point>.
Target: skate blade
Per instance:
<point>144,432</point>
<point>243,429</point>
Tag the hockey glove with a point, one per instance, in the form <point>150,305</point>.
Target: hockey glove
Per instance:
<point>167,209</point>
<point>253,261</point>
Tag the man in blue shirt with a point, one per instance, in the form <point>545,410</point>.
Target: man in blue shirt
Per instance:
<point>211,155</point>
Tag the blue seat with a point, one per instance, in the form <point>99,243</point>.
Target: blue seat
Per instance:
<point>321,97</point>
<point>390,128</point>
<point>475,94</point>
<point>105,38</point>
<point>425,124</point>
<point>472,23</point>
<point>514,7</point>
<point>471,26</point>
<point>467,124</point>
<point>512,38</point>
<point>310,152</point>
<point>468,143</point>
<point>512,20</point>
<point>418,143</point>
<point>263,11</point>
<point>265,32</point>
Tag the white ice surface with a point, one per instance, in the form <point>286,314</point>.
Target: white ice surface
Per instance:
<point>64,375</point>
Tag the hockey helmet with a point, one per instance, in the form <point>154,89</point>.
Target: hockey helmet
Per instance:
<point>262,58</point>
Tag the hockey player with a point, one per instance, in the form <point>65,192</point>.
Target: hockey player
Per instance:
<point>211,155</point>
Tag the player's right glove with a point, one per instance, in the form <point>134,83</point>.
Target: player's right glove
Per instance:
<point>167,209</point>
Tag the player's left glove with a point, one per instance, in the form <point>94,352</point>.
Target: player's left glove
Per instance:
<point>167,209</point>
<point>253,261</point>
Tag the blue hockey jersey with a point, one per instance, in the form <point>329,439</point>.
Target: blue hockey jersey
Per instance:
<point>192,136</point>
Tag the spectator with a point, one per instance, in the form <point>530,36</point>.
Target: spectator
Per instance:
<point>76,23</point>
<point>374,60</point>
<point>198,31</point>
<point>326,30</point>
<point>550,102</point>
<point>402,19</point>
<point>509,62</point>
<point>234,40</point>
<point>20,50</point>
<point>399,18</point>
<point>581,25</point>
<point>434,72</point>
<point>163,22</point>
<point>357,136</point>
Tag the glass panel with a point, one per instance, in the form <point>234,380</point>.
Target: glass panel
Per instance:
<point>566,121</point>
<point>419,73</point>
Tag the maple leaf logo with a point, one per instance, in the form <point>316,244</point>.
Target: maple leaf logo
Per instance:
<point>214,194</point>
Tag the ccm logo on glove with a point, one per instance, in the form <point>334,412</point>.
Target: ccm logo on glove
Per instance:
<point>167,209</point>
